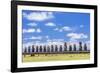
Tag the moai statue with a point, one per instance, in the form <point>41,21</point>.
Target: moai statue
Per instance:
<point>56,48</point>
<point>85,47</point>
<point>80,46</point>
<point>65,46</point>
<point>60,48</point>
<point>33,48</point>
<point>48,49</point>
<point>52,48</point>
<point>25,51</point>
<point>74,47</point>
<point>37,48</point>
<point>40,48</point>
<point>44,48</point>
<point>29,49</point>
<point>70,47</point>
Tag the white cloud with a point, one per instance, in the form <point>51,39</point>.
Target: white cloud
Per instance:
<point>66,28</point>
<point>37,37</point>
<point>39,30</point>
<point>56,29</point>
<point>38,16</point>
<point>24,14</point>
<point>33,38</point>
<point>50,24</point>
<point>55,40</point>
<point>47,36</point>
<point>27,44</point>
<point>28,30</point>
<point>75,36</point>
<point>81,26</point>
<point>32,24</point>
<point>88,42</point>
<point>60,30</point>
<point>30,44</point>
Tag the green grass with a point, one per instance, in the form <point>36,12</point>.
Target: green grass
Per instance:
<point>55,57</point>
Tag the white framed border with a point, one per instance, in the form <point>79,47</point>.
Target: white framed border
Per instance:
<point>53,63</point>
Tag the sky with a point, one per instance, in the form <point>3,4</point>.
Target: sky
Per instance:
<point>46,26</point>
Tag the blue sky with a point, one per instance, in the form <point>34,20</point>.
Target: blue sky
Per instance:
<point>43,26</point>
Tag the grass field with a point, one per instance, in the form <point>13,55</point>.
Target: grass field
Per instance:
<point>55,57</point>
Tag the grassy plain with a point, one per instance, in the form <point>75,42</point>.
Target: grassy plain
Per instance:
<point>55,57</point>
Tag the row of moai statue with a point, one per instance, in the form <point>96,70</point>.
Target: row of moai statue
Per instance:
<point>55,48</point>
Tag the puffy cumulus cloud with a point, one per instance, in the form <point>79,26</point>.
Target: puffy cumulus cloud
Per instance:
<point>38,16</point>
<point>28,30</point>
<point>75,36</point>
<point>46,36</point>
<point>81,26</point>
<point>32,24</point>
<point>60,30</point>
<point>65,28</point>
<point>34,38</point>
<point>50,24</point>
<point>56,29</point>
<point>55,40</point>
<point>31,30</point>
<point>38,30</point>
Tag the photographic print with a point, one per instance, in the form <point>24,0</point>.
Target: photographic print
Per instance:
<point>54,37</point>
